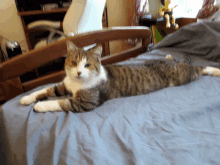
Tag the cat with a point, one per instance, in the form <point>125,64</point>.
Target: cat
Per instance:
<point>90,84</point>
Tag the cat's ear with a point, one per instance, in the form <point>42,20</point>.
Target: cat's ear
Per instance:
<point>97,51</point>
<point>71,46</point>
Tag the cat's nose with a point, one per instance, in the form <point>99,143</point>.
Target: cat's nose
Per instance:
<point>79,73</point>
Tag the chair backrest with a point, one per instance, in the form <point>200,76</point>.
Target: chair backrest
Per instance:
<point>21,64</point>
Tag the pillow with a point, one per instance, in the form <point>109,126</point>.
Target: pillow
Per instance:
<point>208,9</point>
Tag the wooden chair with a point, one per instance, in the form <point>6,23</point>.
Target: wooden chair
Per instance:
<point>10,70</point>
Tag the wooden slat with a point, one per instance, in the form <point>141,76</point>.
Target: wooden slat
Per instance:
<point>124,55</point>
<point>109,34</point>
<point>21,64</point>
<point>37,12</point>
<point>52,78</point>
<point>133,52</point>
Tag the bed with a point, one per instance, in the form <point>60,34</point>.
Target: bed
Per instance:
<point>176,125</point>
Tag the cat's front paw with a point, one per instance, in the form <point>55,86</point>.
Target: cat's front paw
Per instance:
<point>45,106</point>
<point>27,100</point>
<point>40,107</point>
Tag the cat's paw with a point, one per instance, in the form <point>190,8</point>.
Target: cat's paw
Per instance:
<point>169,56</point>
<point>40,107</point>
<point>209,70</point>
<point>27,100</point>
<point>45,106</point>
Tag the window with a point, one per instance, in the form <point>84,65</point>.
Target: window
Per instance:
<point>187,8</point>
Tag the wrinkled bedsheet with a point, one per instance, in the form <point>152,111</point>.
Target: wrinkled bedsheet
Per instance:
<point>176,125</point>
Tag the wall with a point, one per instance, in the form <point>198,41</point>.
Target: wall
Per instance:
<point>11,26</point>
<point>120,13</point>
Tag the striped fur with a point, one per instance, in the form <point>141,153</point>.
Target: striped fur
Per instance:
<point>97,84</point>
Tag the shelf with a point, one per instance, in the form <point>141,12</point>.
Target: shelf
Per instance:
<point>37,12</point>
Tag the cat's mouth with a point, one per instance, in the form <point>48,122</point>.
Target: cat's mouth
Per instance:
<point>79,78</point>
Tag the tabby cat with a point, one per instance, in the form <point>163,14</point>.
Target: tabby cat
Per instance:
<point>90,84</point>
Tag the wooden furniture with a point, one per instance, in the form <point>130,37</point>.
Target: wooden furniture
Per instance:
<point>18,65</point>
<point>159,23</point>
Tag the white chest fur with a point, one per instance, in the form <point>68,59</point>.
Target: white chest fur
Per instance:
<point>73,86</point>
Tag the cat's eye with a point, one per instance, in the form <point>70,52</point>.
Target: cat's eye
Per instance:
<point>87,65</point>
<point>74,63</point>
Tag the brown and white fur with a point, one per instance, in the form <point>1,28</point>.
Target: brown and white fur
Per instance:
<point>90,84</point>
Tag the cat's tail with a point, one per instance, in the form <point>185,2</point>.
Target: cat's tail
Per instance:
<point>212,71</point>
<point>209,70</point>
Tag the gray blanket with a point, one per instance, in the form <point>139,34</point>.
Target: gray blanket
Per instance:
<point>176,125</point>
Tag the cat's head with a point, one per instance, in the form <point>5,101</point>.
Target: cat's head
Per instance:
<point>82,65</point>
